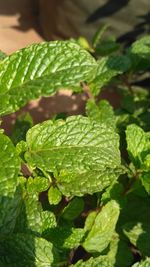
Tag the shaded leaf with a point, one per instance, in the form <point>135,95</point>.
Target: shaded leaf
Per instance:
<point>73,209</point>
<point>25,250</point>
<point>139,236</point>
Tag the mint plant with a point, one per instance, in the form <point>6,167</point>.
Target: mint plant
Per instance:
<point>74,191</point>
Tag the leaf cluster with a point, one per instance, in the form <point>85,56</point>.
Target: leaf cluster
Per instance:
<point>74,191</point>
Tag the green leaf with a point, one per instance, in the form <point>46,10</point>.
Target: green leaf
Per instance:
<point>31,218</point>
<point>98,35</point>
<point>145,179</point>
<point>101,113</point>
<point>140,54</point>
<point>114,191</point>
<point>136,210</point>
<point>139,236</point>
<point>73,209</point>
<point>65,237</point>
<point>2,55</point>
<point>90,220</point>
<point>107,47</point>
<point>37,184</point>
<point>48,220</point>
<point>138,144</point>
<point>40,70</point>
<point>76,150</point>
<point>25,250</point>
<point>109,67</point>
<point>145,263</point>
<point>103,228</point>
<point>22,125</point>
<point>54,195</point>
<point>119,252</point>
<point>9,194</point>
<point>142,46</point>
<point>102,261</point>
<point>9,167</point>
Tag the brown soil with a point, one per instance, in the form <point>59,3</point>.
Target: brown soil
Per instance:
<point>19,28</point>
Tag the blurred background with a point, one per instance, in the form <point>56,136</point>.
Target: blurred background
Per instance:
<point>23,22</point>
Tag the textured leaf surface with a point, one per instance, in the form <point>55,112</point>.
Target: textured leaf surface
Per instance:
<point>145,263</point>
<point>31,218</point>
<point>139,236</point>
<point>9,167</point>
<point>41,69</point>
<point>9,195</point>
<point>142,46</point>
<point>37,184</point>
<point>54,195</point>
<point>103,228</point>
<point>109,67</point>
<point>138,144</point>
<point>101,113</point>
<point>25,250</point>
<point>64,237</point>
<point>78,151</point>
<point>101,261</point>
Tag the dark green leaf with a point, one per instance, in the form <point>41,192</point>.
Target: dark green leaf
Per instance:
<point>73,209</point>
<point>25,250</point>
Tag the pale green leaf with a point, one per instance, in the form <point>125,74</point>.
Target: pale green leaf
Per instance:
<point>138,144</point>
<point>101,112</point>
<point>37,184</point>
<point>40,70</point>
<point>101,261</point>
<point>90,219</point>
<point>142,46</point>
<point>145,263</point>
<point>9,167</point>
<point>103,228</point>
<point>48,220</point>
<point>54,195</point>
<point>76,150</point>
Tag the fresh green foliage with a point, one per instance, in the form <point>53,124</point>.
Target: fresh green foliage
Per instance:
<point>75,190</point>
<point>103,228</point>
